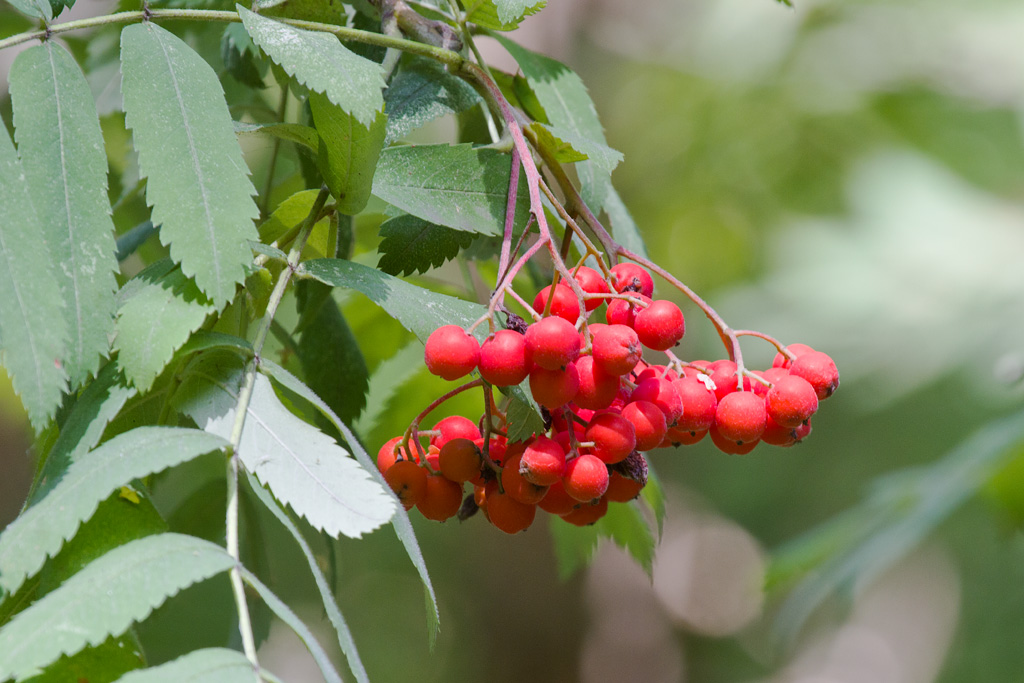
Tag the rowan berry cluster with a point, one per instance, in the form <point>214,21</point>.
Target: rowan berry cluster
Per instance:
<point>603,404</point>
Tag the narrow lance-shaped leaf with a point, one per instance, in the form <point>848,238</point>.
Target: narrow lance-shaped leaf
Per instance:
<point>348,152</point>
<point>452,185</point>
<point>303,467</point>
<point>211,665</point>
<point>32,328</point>
<point>154,323</point>
<point>348,646</point>
<point>400,522</point>
<point>320,62</point>
<point>386,381</point>
<point>82,611</point>
<point>62,151</point>
<point>198,183</point>
<point>41,530</point>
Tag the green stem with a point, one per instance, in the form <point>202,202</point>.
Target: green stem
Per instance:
<point>241,410</point>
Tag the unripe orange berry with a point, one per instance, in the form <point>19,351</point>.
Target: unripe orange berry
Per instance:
<point>459,460</point>
<point>409,482</point>
<point>441,500</point>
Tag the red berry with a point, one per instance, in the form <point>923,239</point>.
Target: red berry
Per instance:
<point>613,436</point>
<point>777,435</point>
<point>597,388</point>
<point>681,437</point>
<point>389,454</point>
<point>585,515</point>
<point>441,500</point>
<point>622,489</point>
<point>543,462</point>
<point>409,482</point>
<point>623,311</point>
<point>460,460</point>
<point>591,282</point>
<point>819,370</point>
<point>723,374</point>
<point>699,405</point>
<point>451,353</point>
<point>660,326</point>
<point>564,305</point>
<point>661,393</point>
<point>772,375</point>
<point>554,388</point>
<point>658,371</point>
<point>741,417</point>
<point>552,343</point>
<point>791,401</point>
<point>796,349</point>
<point>557,501</point>
<point>518,487</point>
<point>503,358</point>
<point>616,348</point>
<point>586,478</point>
<point>648,423</point>
<point>454,427</point>
<point>633,278</point>
<point>505,512</point>
<point>731,447</point>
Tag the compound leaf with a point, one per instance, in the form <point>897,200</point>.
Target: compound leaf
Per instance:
<point>81,612</point>
<point>210,665</point>
<point>348,152</point>
<point>62,152</point>
<point>198,183</point>
<point>452,185</point>
<point>40,531</point>
<point>291,132</point>
<point>305,468</point>
<point>423,90</point>
<point>32,328</point>
<point>413,245</point>
<point>320,62</point>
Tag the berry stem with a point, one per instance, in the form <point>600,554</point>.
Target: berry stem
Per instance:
<point>414,426</point>
<point>768,338</point>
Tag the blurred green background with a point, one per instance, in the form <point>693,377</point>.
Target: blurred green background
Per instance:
<point>848,175</point>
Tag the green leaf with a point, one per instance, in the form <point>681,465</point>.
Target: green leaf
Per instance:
<point>241,57</point>
<point>82,612</point>
<point>419,310</point>
<point>32,328</point>
<point>285,614</point>
<point>198,183</point>
<point>41,530</point>
<point>623,228</point>
<point>413,245</point>
<point>211,665</point>
<point>562,151</point>
<point>40,9</point>
<point>385,383</point>
<point>653,495</point>
<point>348,152</point>
<point>400,522</point>
<point>503,15</point>
<point>101,400</point>
<point>62,152</point>
<point>348,645</point>
<point>291,132</point>
<point>902,509</point>
<point>288,216</point>
<point>452,185</point>
<point>568,107</point>
<point>623,524</point>
<point>320,62</point>
<point>572,146</point>
<point>107,661</point>
<point>154,323</point>
<point>423,90</point>
<point>304,467</point>
<point>523,417</point>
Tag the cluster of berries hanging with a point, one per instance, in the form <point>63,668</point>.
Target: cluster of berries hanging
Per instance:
<point>603,405</point>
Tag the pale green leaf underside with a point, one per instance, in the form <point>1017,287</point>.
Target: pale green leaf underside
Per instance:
<point>303,467</point>
<point>198,183</point>
<point>511,10</point>
<point>103,599</point>
<point>601,155</point>
<point>212,665</point>
<point>32,328</point>
<point>422,91</point>
<point>400,522</point>
<point>624,228</point>
<point>62,152</point>
<point>38,9</point>
<point>348,645</point>
<point>320,62</point>
<point>154,323</point>
<point>452,185</point>
<point>568,106</point>
<point>285,614</point>
<point>41,530</point>
<point>503,15</point>
<point>292,132</point>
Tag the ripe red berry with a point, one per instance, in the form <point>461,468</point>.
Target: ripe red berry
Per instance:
<point>460,460</point>
<point>741,417</point>
<point>633,278</point>
<point>658,371</point>
<point>796,349</point>
<point>699,405</point>
<point>613,437</point>
<point>454,427</point>
<point>660,326</point>
<point>648,424</point>
<point>505,512</point>
<point>503,358</point>
<point>587,514</point>
<point>622,489</point>
<point>819,370</point>
<point>586,478</point>
<point>557,501</point>
<point>552,343</point>
<point>777,435</point>
<point>681,437</point>
<point>451,353</point>
<point>409,482</point>
<point>564,304</point>
<point>597,388</point>
<point>441,500</point>
<point>389,454</point>
<point>772,375</point>
<point>616,348</point>
<point>591,282</point>
<point>662,393</point>
<point>791,401</point>
<point>554,388</point>
<point>723,374</point>
<point>623,311</point>
<point>543,461</point>
<point>518,487</point>
<point>731,447</point>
